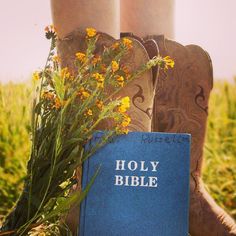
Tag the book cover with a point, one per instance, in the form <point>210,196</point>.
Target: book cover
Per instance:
<point>142,187</point>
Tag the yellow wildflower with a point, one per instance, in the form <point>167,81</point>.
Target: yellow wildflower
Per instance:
<point>56,58</point>
<point>125,104</point>
<point>46,29</point>
<point>115,45</point>
<point>41,234</point>
<point>126,121</point>
<point>48,95</point>
<point>114,66</point>
<point>168,62</point>
<point>99,104</point>
<point>50,28</point>
<point>50,32</point>
<point>122,130</point>
<point>100,84</point>
<point>83,93</point>
<point>53,28</point>
<point>96,59</point>
<point>57,103</point>
<point>88,112</point>
<point>91,32</point>
<point>71,78</point>
<point>120,80</point>
<point>86,94</point>
<point>125,131</point>
<point>127,42</point>
<point>65,73</point>
<point>36,75</point>
<point>80,56</point>
<point>100,79</point>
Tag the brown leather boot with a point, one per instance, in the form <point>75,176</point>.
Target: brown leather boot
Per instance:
<point>181,105</point>
<point>141,90</point>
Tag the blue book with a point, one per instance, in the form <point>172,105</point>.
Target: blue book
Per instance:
<point>142,188</point>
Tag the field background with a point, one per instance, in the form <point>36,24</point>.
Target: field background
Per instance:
<point>220,148</point>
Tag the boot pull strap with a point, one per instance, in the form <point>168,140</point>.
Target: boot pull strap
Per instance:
<point>152,49</point>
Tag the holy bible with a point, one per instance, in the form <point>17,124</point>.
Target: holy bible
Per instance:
<point>142,187</point>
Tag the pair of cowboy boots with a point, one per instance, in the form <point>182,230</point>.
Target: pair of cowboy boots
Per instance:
<point>169,101</point>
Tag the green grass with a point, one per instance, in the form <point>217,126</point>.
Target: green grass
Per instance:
<point>220,147</point>
<point>14,141</point>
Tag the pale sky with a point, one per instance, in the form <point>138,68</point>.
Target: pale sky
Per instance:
<point>23,48</point>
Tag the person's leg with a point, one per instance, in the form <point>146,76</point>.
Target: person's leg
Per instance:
<point>103,15</point>
<point>142,17</point>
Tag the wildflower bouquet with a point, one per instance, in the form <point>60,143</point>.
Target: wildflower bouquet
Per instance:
<point>68,108</point>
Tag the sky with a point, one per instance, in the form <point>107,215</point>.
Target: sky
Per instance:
<point>23,49</point>
<point>212,25</point>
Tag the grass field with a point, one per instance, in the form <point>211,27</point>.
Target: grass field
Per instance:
<point>14,141</point>
<point>220,147</point>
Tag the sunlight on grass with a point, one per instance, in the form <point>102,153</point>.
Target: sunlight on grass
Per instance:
<point>220,147</point>
<point>15,100</point>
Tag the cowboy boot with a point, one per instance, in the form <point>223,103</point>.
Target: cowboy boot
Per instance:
<point>140,90</point>
<point>181,105</point>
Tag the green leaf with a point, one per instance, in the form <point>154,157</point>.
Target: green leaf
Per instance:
<point>74,199</point>
<point>59,86</point>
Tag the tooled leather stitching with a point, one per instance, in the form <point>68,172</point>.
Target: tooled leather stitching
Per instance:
<point>140,95</point>
<point>200,96</point>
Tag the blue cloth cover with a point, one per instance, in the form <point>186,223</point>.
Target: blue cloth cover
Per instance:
<point>142,188</point>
